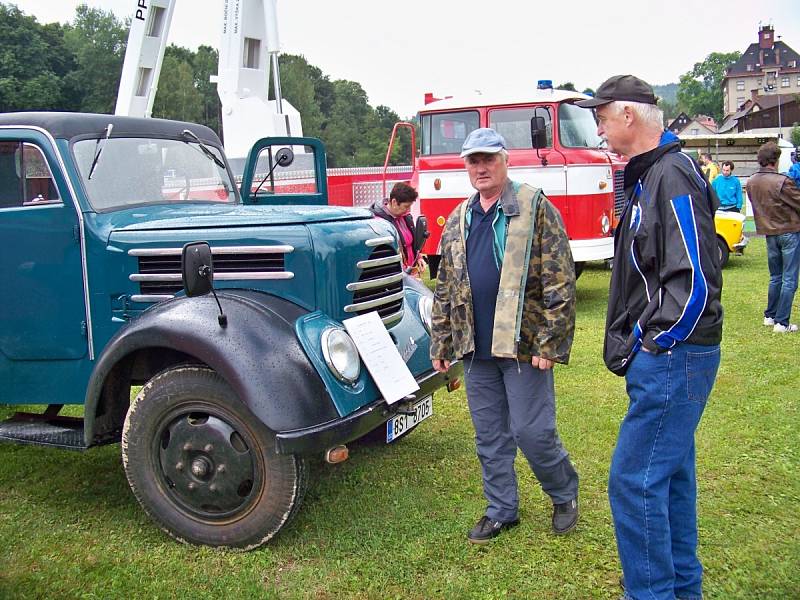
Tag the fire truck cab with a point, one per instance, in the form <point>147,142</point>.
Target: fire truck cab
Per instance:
<point>582,179</point>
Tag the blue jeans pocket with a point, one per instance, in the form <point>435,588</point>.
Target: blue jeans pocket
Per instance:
<point>701,371</point>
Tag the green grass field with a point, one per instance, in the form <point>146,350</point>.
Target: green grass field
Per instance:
<point>391,521</point>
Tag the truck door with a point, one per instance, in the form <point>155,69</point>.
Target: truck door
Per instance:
<point>42,308</point>
<point>543,168</point>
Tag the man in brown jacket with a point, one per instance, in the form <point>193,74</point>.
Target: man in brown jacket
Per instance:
<point>776,208</point>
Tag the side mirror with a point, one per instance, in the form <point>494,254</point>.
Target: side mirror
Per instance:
<point>197,269</point>
<point>421,233</point>
<point>538,133</point>
<point>284,157</point>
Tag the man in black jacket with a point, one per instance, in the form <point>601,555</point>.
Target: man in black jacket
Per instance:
<point>663,329</point>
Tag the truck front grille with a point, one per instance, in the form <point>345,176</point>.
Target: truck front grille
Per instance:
<point>159,275</point>
<point>619,193</point>
<point>379,286</point>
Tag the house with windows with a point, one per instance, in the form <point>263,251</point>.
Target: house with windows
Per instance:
<point>766,68</point>
<point>700,125</point>
<point>679,123</point>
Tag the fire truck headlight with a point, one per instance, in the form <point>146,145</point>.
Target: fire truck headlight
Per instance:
<point>341,355</point>
<point>605,224</point>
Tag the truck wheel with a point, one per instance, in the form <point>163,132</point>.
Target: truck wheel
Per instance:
<point>203,466</point>
<point>579,268</point>
<point>724,252</point>
<point>433,264</point>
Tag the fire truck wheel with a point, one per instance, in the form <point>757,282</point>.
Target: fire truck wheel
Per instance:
<point>433,264</point>
<point>724,252</point>
<point>579,268</point>
<point>203,466</point>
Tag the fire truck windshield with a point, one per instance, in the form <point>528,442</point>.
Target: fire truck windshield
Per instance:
<point>577,127</point>
<point>139,171</point>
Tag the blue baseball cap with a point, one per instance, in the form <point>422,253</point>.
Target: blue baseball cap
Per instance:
<point>483,140</point>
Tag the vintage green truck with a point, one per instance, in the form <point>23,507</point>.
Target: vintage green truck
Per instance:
<point>237,389</point>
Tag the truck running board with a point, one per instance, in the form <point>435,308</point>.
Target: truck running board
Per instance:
<point>44,430</point>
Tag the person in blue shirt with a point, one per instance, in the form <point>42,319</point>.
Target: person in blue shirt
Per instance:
<point>728,189</point>
<point>794,170</point>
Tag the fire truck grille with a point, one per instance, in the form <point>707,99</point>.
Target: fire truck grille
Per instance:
<point>380,286</point>
<point>159,274</point>
<point>619,193</point>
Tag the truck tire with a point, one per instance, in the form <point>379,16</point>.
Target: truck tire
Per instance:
<point>433,264</point>
<point>724,252</point>
<point>203,466</point>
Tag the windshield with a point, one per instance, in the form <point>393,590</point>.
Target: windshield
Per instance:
<point>577,127</point>
<point>139,171</point>
<point>514,124</point>
<point>444,133</point>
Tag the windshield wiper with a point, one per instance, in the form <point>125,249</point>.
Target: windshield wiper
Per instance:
<point>99,149</point>
<point>190,134</point>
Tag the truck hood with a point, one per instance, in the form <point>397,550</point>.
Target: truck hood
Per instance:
<point>205,216</point>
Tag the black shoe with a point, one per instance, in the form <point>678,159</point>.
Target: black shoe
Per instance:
<point>486,529</point>
<point>565,517</point>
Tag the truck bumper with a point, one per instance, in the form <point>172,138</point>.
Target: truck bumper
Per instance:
<point>321,437</point>
<point>596,249</point>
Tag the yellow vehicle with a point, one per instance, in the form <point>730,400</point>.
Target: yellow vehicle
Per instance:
<point>730,234</point>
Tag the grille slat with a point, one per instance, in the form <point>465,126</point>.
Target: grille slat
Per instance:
<point>619,193</point>
<point>160,268</point>
<point>380,286</point>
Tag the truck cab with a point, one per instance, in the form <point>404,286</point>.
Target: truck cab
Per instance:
<point>215,416</point>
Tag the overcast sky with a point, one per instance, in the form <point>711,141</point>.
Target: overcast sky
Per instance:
<point>399,50</point>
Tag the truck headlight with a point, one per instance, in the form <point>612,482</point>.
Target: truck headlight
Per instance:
<point>605,224</point>
<point>340,355</point>
<point>425,307</point>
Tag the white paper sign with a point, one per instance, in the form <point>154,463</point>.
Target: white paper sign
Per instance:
<point>383,361</point>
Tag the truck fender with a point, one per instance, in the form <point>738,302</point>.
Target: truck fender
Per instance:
<point>257,353</point>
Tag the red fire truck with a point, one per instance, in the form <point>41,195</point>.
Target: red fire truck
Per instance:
<point>567,161</point>
<point>582,179</point>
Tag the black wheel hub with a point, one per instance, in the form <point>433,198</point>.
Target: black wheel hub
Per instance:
<point>206,465</point>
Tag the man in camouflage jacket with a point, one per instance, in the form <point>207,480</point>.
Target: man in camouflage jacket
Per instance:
<point>505,303</point>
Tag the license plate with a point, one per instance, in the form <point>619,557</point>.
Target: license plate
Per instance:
<point>400,424</point>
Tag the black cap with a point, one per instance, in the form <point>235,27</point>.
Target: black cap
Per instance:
<point>621,87</point>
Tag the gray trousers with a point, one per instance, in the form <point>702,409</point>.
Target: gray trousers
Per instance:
<point>513,406</point>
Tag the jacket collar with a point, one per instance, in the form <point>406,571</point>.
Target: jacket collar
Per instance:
<point>508,200</point>
<point>640,163</point>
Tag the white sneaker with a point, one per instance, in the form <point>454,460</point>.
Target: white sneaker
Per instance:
<point>790,328</point>
<point>769,321</point>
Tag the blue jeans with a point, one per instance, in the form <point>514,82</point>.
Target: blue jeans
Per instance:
<point>783,259</point>
<point>651,487</point>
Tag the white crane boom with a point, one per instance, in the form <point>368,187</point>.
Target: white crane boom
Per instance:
<point>248,53</point>
<point>144,54</point>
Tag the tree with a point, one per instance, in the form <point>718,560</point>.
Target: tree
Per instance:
<point>670,109</point>
<point>700,90</point>
<point>297,86</point>
<point>794,136</point>
<point>97,40</point>
<point>33,63</point>
<point>205,63</point>
<point>569,86</point>
<point>177,97</point>
<point>344,131</point>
